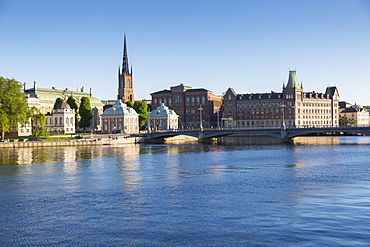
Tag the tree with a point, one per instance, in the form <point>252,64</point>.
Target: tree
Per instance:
<point>73,104</point>
<point>13,109</point>
<point>141,107</point>
<point>57,102</point>
<point>346,122</point>
<point>130,104</point>
<point>85,113</point>
<point>37,122</point>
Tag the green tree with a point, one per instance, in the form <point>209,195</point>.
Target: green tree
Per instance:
<point>37,122</point>
<point>13,109</point>
<point>57,101</point>
<point>85,113</point>
<point>346,122</point>
<point>130,104</point>
<point>73,104</point>
<point>141,107</point>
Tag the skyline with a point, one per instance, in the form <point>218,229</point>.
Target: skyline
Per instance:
<point>247,45</point>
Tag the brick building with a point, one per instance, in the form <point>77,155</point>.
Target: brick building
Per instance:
<point>291,107</point>
<point>186,102</point>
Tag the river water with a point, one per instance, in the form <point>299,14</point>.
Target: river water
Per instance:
<point>188,194</point>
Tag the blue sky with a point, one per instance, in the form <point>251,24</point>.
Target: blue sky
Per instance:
<point>247,45</point>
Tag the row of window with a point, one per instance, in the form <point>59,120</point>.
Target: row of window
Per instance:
<point>69,121</point>
<point>190,101</point>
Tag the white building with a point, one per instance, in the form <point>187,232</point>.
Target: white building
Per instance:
<point>61,120</point>
<point>163,118</point>
<point>120,117</point>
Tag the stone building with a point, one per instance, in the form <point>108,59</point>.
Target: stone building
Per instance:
<point>163,118</point>
<point>119,118</point>
<point>357,114</point>
<point>61,120</point>
<point>292,107</point>
<point>44,99</point>
<point>192,105</point>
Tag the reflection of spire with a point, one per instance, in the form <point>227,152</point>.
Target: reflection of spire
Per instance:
<point>125,69</point>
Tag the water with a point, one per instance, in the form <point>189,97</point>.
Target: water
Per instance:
<point>188,195</point>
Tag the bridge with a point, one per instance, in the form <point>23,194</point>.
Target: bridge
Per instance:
<point>284,133</point>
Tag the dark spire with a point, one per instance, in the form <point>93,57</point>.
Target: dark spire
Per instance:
<point>125,57</point>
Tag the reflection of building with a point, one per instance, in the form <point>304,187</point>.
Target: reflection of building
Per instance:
<point>292,107</point>
<point>186,102</point>
<point>120,117</point>
<point>163,118</point>
<point>359,115</point>
<point>125,78</point>
<point>44,99</point>
<point>61,120</point>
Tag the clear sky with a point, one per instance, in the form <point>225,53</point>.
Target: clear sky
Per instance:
<point>248,45</point>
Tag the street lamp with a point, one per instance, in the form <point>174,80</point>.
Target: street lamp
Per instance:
<point>283,107</point>
<point>200,117</point>
<point>218,118</point>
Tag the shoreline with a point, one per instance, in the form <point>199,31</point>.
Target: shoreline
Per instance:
<point>81,142</point>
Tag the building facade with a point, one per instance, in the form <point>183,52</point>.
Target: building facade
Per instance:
<point>119,118</point>
<point>163,118</point>
<point>195,107</point>
<point>61,120</point>
<point>44,99</point>
<point>359,115</point>
<point>292,107</point>
<point>125,78</point>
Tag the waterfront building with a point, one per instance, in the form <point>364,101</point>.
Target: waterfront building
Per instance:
<point>357,114</point>
<point>119,118</point>
<point>61,120</point>
<point>163,118</point>
<point>44,99</point>
<point>193,106</point>
<point>291,107</point>
<point>125,78</point>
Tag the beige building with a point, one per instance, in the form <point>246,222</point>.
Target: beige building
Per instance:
<point>292,107</point>
<point>120,118</point>
<point>61,120</point>
<point>359,115</point>
<point>163,118</point>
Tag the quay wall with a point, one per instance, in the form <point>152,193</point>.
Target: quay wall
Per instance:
<point>86,142</point>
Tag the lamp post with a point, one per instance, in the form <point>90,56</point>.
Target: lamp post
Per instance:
<point>200,117</point>
<point>218,118</point>
<point>283,123</point>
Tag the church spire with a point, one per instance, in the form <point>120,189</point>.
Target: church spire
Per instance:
<point>125,67</point>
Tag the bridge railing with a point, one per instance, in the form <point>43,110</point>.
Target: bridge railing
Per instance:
<point>258,128</point>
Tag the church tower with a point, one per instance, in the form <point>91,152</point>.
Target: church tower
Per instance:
<point>125,78</point>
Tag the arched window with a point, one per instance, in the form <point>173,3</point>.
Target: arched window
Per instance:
<point>178,100</point>
<point>128,83</point>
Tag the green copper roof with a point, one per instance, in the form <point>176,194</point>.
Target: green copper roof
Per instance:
<point>119,108</point>
<point>162,111</point>
<point>47,95</point>
<point>292,81</point>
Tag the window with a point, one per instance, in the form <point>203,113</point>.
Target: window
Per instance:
<point>169,101</point>
<point>187,101</point>
<point>203,100</point>
<point>178,100</point>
